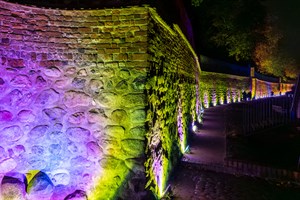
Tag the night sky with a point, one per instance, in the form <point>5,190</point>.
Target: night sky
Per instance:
<point>288,12</point>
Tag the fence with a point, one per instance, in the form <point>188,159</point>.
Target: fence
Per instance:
<point>250,116</point>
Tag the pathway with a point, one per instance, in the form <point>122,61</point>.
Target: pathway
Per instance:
<point>208,145</point>
<point>207,148</point>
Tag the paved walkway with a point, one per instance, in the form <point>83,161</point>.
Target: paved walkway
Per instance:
<point>191,183</point>
<point>208,145</point>
<point>207,148</point>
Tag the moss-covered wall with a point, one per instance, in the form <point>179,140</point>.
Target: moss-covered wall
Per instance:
<point>172,97</point>
<point>76,89</point>
<point>220,88</point>
<point>217,88</point>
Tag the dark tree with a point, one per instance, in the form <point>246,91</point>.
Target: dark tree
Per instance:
<point>230,25</point>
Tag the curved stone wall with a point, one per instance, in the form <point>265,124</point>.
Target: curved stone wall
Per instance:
<point>72,101</point>
<point>94,103</point>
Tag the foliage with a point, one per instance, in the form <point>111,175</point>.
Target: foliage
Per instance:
<point>216,88</point>
<point>196,3</point>
<point>231,25</point>
<point>163,137</point>
<point>168,91</point>
<point>245,32</point>
<point>267,55</point>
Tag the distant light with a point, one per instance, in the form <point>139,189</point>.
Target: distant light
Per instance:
<point>194,128</point>
<point>187,149</point>
<point>166,190</point>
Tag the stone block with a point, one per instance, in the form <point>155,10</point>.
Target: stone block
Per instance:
<point>77,118</point>
<point>94,151</point>
<point>139,56</point>
<point>80,162</point>
<point>11,133</point>
<point>38,131</point>
<point>38,150</point>
<point>77,195</point>
<point>124,74</point>
<point>40,82</point>
<point>96,86</point>
<point>139,83</point>
<point>96,116</point>
<point>7,165</point>
<point>78,134</point>
<point>133,148</point>
<point>26,116</point>
<point>5,116</point>
<point>13,187</point>
<point>21,81</point>
<point>107,72</point>
<point>119,116</point>
<point>55,149</point>
<point>16,63</point>
<point>138,116</point>
<point>111,163</point>
<point>108,99</point>
<point>122,85</point>
<point>52,72</point>
<point>138,132</point>
<point>134,99</point>
<point>76,98</point>
<point>40,186</point>
<point>114,131</point>
<point>55,113</point>
<point>47,97</point>
<point>60,177</point>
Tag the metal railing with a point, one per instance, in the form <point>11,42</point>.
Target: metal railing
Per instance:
<point>251,116</point>
<point>265,113</point>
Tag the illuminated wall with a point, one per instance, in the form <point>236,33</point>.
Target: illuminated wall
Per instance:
<point>221,88</point>
<point>172,93</point>
<point>264,88</point>
<point>218,89</point>
<point>74,106</point>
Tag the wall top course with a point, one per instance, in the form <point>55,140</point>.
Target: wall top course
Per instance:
<point>17,8</point>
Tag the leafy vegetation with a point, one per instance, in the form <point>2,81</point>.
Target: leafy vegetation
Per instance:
<point>172,106</point>
<point>243,31</point>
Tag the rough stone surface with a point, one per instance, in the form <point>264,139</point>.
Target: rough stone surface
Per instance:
<point>13,187</point>
<point>76,98</point>
<point>21,81</point>
<point>60,177</point>
<point>47,97</point>
<point>134,148</point>
<point>11,133</point>
<point>77,134</point>
<point>77,195</point>
<point>72,99</point>
<point>40,186</point>
<point>7,165</point>
<point>38,131</point>
<point>52,72</point>
<point>26,116</point>
<point>5,116</point>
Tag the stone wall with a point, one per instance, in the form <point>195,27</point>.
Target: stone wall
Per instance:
<point>72,99</point>
<point>172,92</point>
<point>76,90</point>
<point>220,88</point>
<point>217,88</point>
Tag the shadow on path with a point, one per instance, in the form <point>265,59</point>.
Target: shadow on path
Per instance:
<point>208,145</point>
